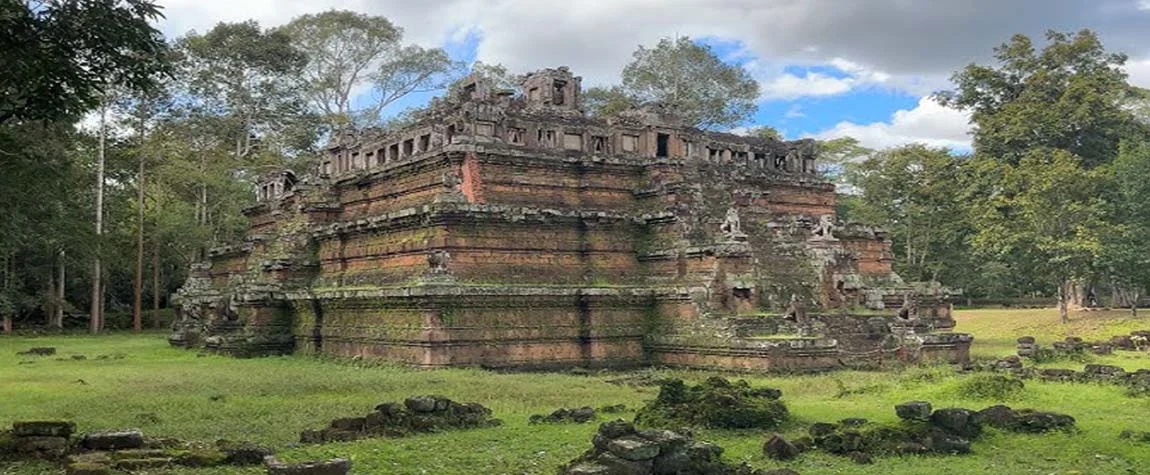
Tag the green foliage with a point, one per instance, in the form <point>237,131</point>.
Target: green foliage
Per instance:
<point>993,387</point>
<point>348,51</point>
<point>912,191</point>
<point>1126,252</point>
<point>686,77</point>
<point>607,101</point>
<point>1069,96</point>
<point>715,403</point>
<point>1045,214</point>
<point>61,56</point>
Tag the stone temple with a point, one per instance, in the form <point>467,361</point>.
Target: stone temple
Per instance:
<point>509,229</point>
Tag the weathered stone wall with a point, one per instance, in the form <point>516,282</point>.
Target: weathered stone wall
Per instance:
<point>461,326</point>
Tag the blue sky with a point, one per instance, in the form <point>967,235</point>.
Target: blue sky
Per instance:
<point>827,68</point>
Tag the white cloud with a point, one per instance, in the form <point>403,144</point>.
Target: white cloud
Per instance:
<point>928,122</point>
<point>1139,71</point>
<point>906,41</point>
<point>795,112</point>
<point>789,86</point>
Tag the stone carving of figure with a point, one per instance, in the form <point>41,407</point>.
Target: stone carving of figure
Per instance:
<point>796,311</point>
<point>824,230</point>
<point>451,180</point>
<point>909,308</point>
<point>437,261</point>
<point>732,227</point>
<point>794,161</point>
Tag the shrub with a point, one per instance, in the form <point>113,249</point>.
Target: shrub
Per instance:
<point>990,386</point>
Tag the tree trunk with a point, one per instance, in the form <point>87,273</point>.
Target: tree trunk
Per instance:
<point>50,297</point>
<point>1064,301</point>
<point>138,288</point>
<point>1134,303</point>
<point>96,318</point>
<point>155,282</point>
<point>58,318</point>
<point>7,283</point>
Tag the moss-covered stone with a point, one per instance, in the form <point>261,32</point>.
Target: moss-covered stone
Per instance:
<point>715,403</point>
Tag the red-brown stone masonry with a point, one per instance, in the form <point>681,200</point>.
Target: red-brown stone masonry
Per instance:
<point>552,185</point>
<point>392,193</point>
<point>815,200</point>
<point>874,257</point>
<point>471,181</point>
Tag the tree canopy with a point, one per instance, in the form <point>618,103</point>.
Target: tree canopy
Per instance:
<point>688,78</point>
<point>60,56</point>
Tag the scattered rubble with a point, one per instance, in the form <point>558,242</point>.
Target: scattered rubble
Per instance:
<point>923,430</point>
<point>564,415</point>
<point>1075,347</point>
<point>620,449</point>
<point>103,453</point>
<point>417,414</point>
<point>715,403</point>
<point>1137,383</point>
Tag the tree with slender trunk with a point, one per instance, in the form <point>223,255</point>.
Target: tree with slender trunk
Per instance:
<point>155,281</point>
<point>96,316</point>
<point>138,288</point>
<point>58,317</point>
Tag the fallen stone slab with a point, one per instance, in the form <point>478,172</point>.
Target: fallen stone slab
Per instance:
<point>113,440</point>
<point>337,466</point>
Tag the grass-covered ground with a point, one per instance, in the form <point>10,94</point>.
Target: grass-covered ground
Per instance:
<point>176,393</point>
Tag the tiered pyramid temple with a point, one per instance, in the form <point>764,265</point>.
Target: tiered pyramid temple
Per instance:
<point>509,229</point>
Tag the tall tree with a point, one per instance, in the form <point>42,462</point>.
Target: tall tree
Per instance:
<point>689,79</point>
<point>1069,96</point>
<point>352,55</point>
<point>912,191</point>
<point>246,78</point>
<point>96,313</point>
<point>1047,214</point>
<point>1126,254</point>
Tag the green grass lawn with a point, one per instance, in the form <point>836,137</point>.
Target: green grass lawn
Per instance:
<point>177,393</point>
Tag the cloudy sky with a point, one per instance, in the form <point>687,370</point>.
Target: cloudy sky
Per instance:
<point>863,68</point>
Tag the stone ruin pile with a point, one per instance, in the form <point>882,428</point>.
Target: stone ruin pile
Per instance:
<point>418,414</point>
<point>923,430</point>
<point>1073,346</point>
<point>105,453</point>
<point>620,449</point>
<point>714,403</point>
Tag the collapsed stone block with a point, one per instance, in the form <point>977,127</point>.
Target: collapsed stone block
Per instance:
<point>913,411</point>
<point>113,440</point>
<point>337,466</point>
<point>564,415</point>
<point>416,415</point>
<point>619,449</point>
<point>779,448</point>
